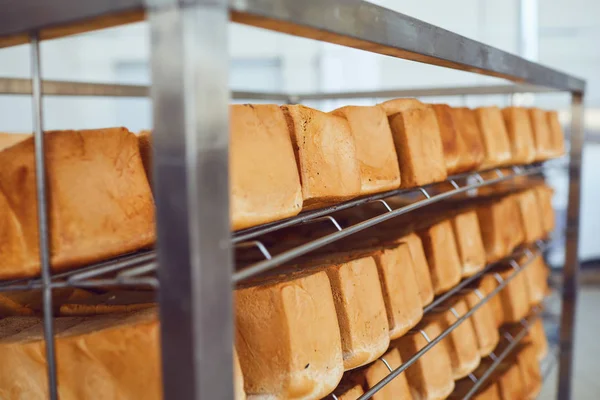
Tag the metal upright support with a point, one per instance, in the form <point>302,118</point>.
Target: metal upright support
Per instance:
<point>571,268</point>
<point>191,138</point>
<point>42,211</point>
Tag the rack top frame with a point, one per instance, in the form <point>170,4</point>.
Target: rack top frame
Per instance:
<point>352,23</point>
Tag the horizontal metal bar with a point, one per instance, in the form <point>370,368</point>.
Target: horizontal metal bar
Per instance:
<point>362,25</point>
<point>289,255</point>
<point>428,92</point>
<point>20,86</point>
<point>516,340</point>
<point>369,393</point>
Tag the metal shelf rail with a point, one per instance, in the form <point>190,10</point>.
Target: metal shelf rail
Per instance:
<point>194,247</point>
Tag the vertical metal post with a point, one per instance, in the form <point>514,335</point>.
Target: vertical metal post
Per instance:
<point>191,141</point>
<point>571,268</point>
<point>42,204</point>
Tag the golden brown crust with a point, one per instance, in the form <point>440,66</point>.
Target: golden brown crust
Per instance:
<point>100,204</point>
<point>419,260</point>
<point>264,180</point>
<point>541,134</point>
<point>520,135</point>
<point>472,152</point>
<point>326,155</point>
<point>483,319</point>
<point>303,356</point>
<point>469,242</point>
<point>442,256</point>
<point>395,106</point>
<point>557,136</point>
<point>418,146</point>
<point>514,297</point>
<point>374,144</point>
<point>494,136</point>
<point>451,140</point>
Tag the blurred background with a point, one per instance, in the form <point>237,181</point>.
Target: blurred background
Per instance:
<point>558,33</point>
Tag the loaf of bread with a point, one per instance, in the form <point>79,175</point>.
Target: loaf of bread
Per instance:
<point>469,242</point>
<point>544,195</point>
<point>541,134</point>
<point>265,185</point>
<point>451,140</point>
<point>121,357</point>
<point>430,377</point>
<point>500,225</point>
<point>494,135</point>
<point>536,276</point>
<point>520,135</point>
<point>509,378</point>
<point>473,151</point>
<point>537,337</point>
<point>400,289</point>
<point>421,266</point>
<point>110,302</point>
<point>99,200</point>
<point>361,312</point>
<point>145,146</point>
<point>418,146</point>
<point>487,285</point>
<point>488,391</point>
<point>326,155</point>
<point>288,338</point>
<point>557,136</point>
<point>10,139</point>
<point>530,370</point>
<point>395,106</point>
<point>349,388</point>
<point>530,215</point>
<point>442,256</point>
<point>461,343</point>
<point>375,150</point>
<point>514,297</point>
<point>397,389</point>
<point>238,379</point>
<point>483,320</point>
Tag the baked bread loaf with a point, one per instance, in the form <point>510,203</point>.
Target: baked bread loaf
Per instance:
<point>557,136</point>
<point>536,276</point>
<point>451,140</point>
<point>110,302</point>
<point>145,146</point>
<point>10,139</point>
<point>483,320</point>
<point>417,254</point>
<point>375,150</point>
<point>348,389</point>
<point>494,135</point>
<point>397,389</point>
<point>489,390</point>
<point>469,243</point>
<point>530,370</point>
<point>500,225</point>
<point>544,195</point>
<point>395,106</point>
<point>487,285</point>
<point>510,381</point>
<point>430,377</point>
<point>265,185</point>
<point>461,343</point>
<point>121,357</point>
<point>303,359</point>
<point>238,379</point>
<point>514,297</point>
<point>442,256</point>
<point>400,289</point>
<point>418,146</point>
<point>541,134</point>
<point>472,151</point>
<point>99,201</point>
<point>520,135</point>
<point>529,215</point>
<point>537,337</point>
<point>361,312</point>
<point>326,156</point>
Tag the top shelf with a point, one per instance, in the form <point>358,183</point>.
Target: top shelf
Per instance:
<point>353,23</point>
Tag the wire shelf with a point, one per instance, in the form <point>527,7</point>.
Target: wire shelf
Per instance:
<point>432,342</point>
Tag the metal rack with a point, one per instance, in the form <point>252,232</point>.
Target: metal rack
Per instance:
<point>193,259</point>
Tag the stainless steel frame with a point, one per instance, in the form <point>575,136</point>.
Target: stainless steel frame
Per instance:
<point>190,96</point>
